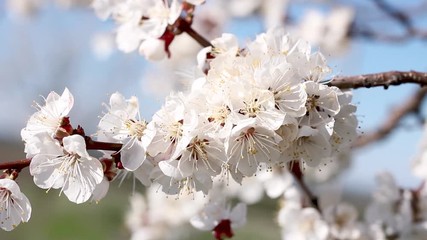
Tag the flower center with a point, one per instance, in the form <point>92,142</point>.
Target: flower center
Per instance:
<point>312,103</point>
<point>70,160</point>
<point>4,196</point>
<point>249,139</point>
<point>197,149</point>
<point>220,115</point>
<point>252,108</point>
<point>175,131</point>
<point>136,128</point>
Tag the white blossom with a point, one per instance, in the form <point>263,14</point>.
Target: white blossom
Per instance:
<point>249,145</point>
<point>342,221</point>
<point>322,104</point>
<point>51,117</point>
<point>172,122</point>
<point>310,146</point>
<point>14,205</point>
<point>69,168</point>
<point>140,21</point>
<point>305,223</point>
<point>218,217</point>
<point>124,124</point>
<point>390,213</point>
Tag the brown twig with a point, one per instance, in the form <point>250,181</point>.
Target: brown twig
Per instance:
<point>90,145</point>
<point>185,26</point>
<point>295,170</point>
<point>412,106</point>
<point>107,146</point>
<point>17,164</point>
<point>384,79</point>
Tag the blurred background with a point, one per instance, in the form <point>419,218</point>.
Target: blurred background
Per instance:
<point>49,45</point>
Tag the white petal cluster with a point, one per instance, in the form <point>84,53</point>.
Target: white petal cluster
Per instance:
<point>393,213</point>
<point>59,159</point>
<point>271,95</point>
<point>142,24</point>
<point>219,218</point>
<point>122,123</point>
<point>265,105</point>
<point>337,220</point>
<point>51,117</point>
<point>328,31</point>
<point>156,216</point>
<point>14,205</point>
<point>68,167</point>
<point>298,222</point>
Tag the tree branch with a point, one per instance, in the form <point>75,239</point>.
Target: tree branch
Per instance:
<point>295,170</point>
<point>90,145</point>
<point>384,79</point>
<point>18,164</point>
<point>185,26</point>
<point>107,146</point>
<point>412,106</point>
<point>395,14</point>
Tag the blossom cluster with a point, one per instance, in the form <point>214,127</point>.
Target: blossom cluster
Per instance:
<point>252,116</point>
<point>154,216</point>
<point>59,159</point>
<point>260,107</point>
<point>393,213</point>
<point>265,104</point>
<point>148,25</point>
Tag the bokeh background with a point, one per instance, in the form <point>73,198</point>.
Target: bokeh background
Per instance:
<point>56,47</point>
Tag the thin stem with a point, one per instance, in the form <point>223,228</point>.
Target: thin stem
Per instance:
<point>90,145</point>
<point>185,26</point>
<point>95,145</point>
<point>295,169</point>
<point>17,164</point>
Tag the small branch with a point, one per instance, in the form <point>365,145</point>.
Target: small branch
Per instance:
<point>412,106</point>
<point>90,145</point>
<point>295,169</point>
<point>18,164</point>
<point>384,79</point>
<point>185,26</point>
<point>395,14</point>
<point>107,146</point>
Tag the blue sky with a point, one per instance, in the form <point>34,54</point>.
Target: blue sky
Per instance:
<point>395,154</point>
<point>51,51</point>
